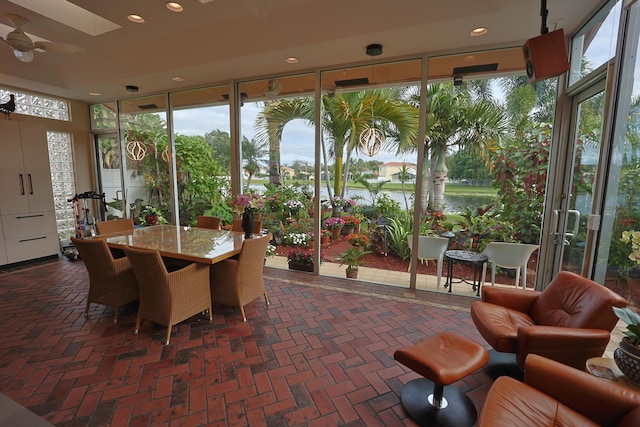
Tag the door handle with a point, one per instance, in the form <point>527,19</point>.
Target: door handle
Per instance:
<point>21,184</point>
<point>30,184</point>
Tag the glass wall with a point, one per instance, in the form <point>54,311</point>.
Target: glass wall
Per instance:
<point>147,177</point>
<point>617,255</point>
<point>201,131</point>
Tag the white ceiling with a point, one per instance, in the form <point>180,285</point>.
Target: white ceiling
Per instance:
<point>217,40</point>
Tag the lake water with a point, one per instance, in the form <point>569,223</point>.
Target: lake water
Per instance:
<point>452,203</point>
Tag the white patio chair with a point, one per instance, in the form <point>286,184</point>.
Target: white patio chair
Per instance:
<point>430,247</point>
<point>508,255</point>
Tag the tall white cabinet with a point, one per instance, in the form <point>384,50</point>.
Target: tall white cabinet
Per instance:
<point>26,199</point>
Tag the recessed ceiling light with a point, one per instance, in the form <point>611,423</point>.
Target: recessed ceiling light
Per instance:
<point>177,79</point>
<point>174,6</point>
<point>469,58</point>
<point>477,32</point>
<point>94,94</point>
<point>136,18</point>
<point>292,60</point>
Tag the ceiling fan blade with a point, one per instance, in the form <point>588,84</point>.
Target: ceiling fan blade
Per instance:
<point>259,8</point>
<point>17,20</point>
<point>59,47</point>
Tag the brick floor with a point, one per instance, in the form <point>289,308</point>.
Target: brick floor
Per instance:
<point>320,355</point>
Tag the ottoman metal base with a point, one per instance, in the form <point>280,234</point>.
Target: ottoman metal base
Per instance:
<point>458,411</point>
<point>503,364</point>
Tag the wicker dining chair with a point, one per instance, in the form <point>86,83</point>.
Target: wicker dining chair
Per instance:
<point>111,281</point>
<point>237,282</point>
<point>237,225</point>
<point>212,222</point>
<point>114,225</point>
<point>166,297</point>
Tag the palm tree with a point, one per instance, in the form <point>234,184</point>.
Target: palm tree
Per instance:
<point>454,117</point>
<point>344,117</point>
<point>253,153</point>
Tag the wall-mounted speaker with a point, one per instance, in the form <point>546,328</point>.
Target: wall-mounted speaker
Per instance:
<point>545,56</point>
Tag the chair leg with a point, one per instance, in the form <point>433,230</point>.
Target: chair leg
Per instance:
<point>266,298</point>
<point>137,329</point>
<point>210,313</point>
<point>86,310</point>
<point>168,335</point>
<point>115,315</point>
<point>244,317</point>
<point>517,276</point>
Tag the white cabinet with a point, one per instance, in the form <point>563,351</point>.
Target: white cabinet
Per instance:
<point>25,177</point>
<point>26,196</point>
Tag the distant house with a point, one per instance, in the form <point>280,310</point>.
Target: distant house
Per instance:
<point>287,172</point>
<point>390,171</point>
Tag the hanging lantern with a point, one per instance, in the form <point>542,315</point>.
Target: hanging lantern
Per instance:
<point>371,140</point>
<point>136,150</point>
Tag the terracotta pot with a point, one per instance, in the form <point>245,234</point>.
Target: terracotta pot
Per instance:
<point>352,273</point>
<point>336,233</point>
<point>326,240</point>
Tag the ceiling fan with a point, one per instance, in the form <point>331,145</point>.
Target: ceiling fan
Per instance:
<point>23,47</point>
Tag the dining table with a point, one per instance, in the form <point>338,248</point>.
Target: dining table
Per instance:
<point>187,243</point>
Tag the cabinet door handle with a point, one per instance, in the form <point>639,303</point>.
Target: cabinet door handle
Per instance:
<point>29,216</point>
<point>21,184</point>
<point>30,184</point>
<point>33,238</point>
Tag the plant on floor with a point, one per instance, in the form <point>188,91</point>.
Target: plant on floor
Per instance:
<point>334,223</point>
<point>352,258</point>
<point>301,256</point>
<point>632,319</point>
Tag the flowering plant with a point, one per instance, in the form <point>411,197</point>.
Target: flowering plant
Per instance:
<point>351,220</point>
<point>334,222</point>
<point>338,202</point>
<point>271,251</point>
<point>301,256</point>
<point>251,203</point>
<point>325,204</point>
<point>293,204</point>
<point>351,202</point>
<point>326,233</point>
<point>632,237</point>
<point>360,240</point>
<point>296,239</point>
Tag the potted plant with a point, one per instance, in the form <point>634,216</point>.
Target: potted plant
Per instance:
<point>247,205</point>
<point>326,237</point>
<point>359,241</point>
<point>338,203</point>
<point>352,258</point>
<point>627,355</point>
<point>350,223</point>
<point>335,224</point>
<point>151,216</point>
<point>349,204</point>
<point>300,259</point>
<point>294,207</point>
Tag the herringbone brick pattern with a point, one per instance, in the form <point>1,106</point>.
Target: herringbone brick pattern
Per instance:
<point>320,355</point>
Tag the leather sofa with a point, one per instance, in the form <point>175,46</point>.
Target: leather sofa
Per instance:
<point>570,321</point>
<point>554,395</point>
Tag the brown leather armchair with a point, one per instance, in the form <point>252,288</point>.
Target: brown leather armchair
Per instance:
<point>554,395</point>
<point>570,321</point>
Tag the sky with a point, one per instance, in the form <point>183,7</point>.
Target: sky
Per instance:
<point>297,139</point>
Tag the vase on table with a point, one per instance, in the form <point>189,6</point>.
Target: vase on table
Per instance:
<point>247,224</point>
